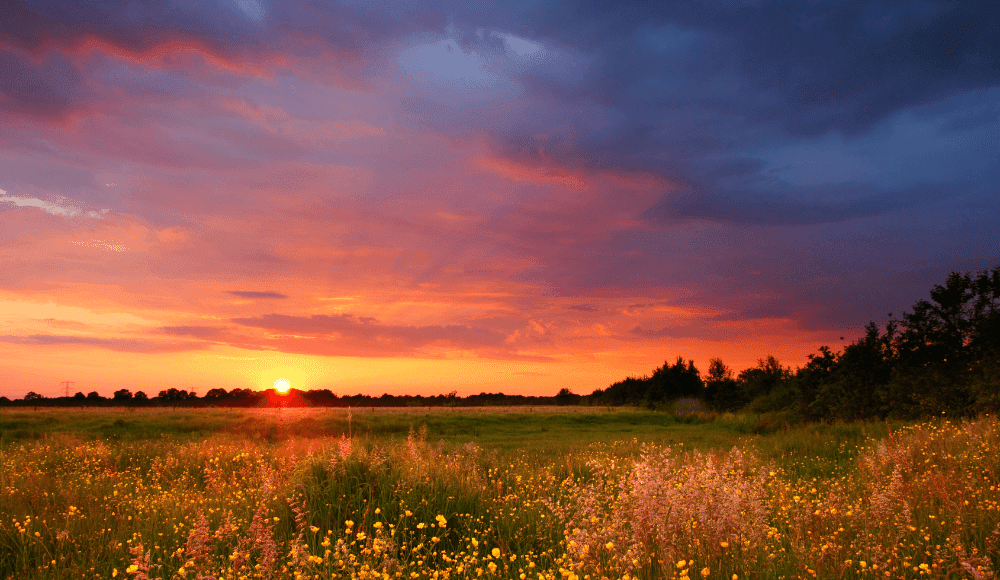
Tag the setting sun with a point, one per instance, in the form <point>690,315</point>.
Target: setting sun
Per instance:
<point>282,385</point>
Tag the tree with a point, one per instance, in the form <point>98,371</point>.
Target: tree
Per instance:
<point>141,396</point>
<point>810,380</point>
<point>216,394</point>
<point>949,344</point>
<point>671,382</point>
<point>33,396</point>
<point>567,397</point>
<point>173,395</point>
<point>722,391</point>
<point>123,395</point>
<point>855,384</point>
<point>767,384</point>
<point>79,396</point>
<point>94,396</point>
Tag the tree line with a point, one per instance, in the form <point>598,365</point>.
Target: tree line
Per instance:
<point>219,397</point>
<point>943,356</point>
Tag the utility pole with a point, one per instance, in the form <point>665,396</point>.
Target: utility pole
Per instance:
<point>67,383</point>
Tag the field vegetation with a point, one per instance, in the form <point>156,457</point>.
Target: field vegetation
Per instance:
<point>516,493</point>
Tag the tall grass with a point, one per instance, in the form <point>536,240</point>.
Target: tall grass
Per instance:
<point>840,501</point>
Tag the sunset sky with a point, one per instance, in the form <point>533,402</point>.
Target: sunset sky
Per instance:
<point>520,196</point>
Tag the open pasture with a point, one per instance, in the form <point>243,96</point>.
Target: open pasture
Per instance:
<point>539,493</point>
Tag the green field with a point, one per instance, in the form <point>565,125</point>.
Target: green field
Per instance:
<point>541,493</point>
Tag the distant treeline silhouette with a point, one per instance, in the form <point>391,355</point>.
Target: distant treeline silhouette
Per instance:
<point>941,357</point>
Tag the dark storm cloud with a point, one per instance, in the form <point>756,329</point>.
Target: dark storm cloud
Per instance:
<point>50,88</point>
<point>231,30</point>
<point>827,205</point>
<point>806,67</point>
<point>251,294</point>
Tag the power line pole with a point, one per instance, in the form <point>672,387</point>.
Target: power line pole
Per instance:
<point>67,383</point>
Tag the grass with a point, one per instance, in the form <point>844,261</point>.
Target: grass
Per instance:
<point>431,493</point>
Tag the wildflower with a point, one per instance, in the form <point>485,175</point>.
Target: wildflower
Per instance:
<point>705,572</point>
<point>132,569</point>
<point>496,552</point>
<point>863,564</point>
<point>349,523</point>
<point>681,564</point>
<point>408,513</point>
<point>114,572</point>
<point>610,545</point>
<point>724,544</point>
<point>313,529</point>
<point>441,521</point>
<point>492,567</point>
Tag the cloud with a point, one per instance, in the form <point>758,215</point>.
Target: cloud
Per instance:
<point>202,332</point>
<point>48,87</point>
<point>252,294</point>
<point>60,206</point>
<point>398,338</point>
<point>827,204</point>
<point>117,344</point>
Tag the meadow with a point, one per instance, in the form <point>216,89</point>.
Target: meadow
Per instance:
<point>565,493</point>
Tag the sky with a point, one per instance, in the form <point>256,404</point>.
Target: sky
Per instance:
<point>519,196</point>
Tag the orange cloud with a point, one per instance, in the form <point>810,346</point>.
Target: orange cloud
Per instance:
<point>524,174</point>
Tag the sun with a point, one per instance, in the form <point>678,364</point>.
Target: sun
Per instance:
<point>282,385</point>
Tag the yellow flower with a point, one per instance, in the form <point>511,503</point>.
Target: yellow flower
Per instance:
<point>114,572</point>
<point>681,564</point>
<point>705,572</point>
<point>408,513</point>
<point>724,544</point>
<point>349,524</point>
<point>492,567</point>
<point>132,569</point>
<point>496,552</point>
<point>735,577</point>
<point>314,529</point>
<point>610,545</point>
<point>863,564</point>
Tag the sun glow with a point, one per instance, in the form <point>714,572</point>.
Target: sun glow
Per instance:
<point>282,385</point>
